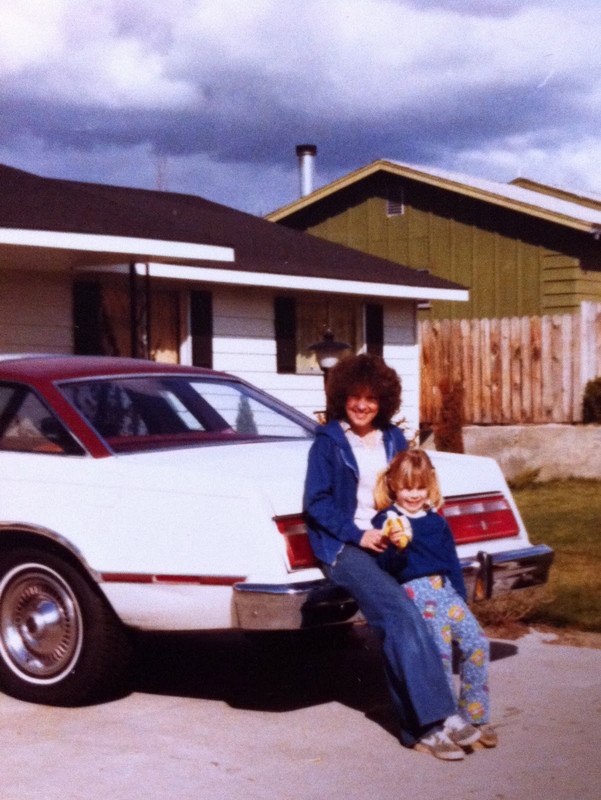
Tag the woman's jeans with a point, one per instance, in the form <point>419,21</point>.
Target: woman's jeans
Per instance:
<point>416,677</point>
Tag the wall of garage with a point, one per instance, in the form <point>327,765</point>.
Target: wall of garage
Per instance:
<point>244,344</point>
<point>35,312</point>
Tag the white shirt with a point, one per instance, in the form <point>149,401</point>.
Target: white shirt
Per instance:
<point>370,455</point>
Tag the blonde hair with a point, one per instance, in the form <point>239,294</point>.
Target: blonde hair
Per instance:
<point>409,469</point>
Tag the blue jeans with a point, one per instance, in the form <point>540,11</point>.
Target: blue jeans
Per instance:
<point>414,670</point>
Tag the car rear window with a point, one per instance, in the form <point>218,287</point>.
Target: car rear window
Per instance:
<point>133,413</point>
<point>28,426</point>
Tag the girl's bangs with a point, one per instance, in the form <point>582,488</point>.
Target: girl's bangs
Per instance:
<point>413,476</point>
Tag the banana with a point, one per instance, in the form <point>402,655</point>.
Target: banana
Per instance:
<point>398,530</point>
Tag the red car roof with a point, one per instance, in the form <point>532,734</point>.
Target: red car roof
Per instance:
<point>49,368</point>
<point>43,372</point>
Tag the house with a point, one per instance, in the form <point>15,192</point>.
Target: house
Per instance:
<point>522,248</point>
<point>90,268</point>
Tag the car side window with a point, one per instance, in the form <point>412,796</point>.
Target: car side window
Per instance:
<point>108,407</point>
<point>28,426</point>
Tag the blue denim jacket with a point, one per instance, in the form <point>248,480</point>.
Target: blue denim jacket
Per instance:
<point>331,489</point>
<point>431,551</point>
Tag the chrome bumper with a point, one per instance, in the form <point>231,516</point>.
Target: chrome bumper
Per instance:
<point>494,574</point>
<point>291,606</point>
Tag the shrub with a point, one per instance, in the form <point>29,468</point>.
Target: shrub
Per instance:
<point>448,435</point>
<point>510,615</point>
<point>591,402</point>
<point>524,479</point>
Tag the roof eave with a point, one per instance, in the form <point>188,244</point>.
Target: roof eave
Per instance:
<point>281,281</point>
<point>122,246</point>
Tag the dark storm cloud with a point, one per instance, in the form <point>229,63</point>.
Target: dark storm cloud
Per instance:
<point>223,92</point>
<point>484,8</point>
<point>245,120</point>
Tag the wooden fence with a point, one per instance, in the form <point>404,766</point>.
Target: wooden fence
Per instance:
<point>512,371</point>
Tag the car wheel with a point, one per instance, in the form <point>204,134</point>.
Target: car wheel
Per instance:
<point>60,642</point>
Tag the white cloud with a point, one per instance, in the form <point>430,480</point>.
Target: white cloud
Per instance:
<point>31,32</point>
<point>571,165</point>
<point>322,56</point>
<point>91,53</point>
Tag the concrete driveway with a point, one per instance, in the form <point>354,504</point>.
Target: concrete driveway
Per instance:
<point>230,717</point>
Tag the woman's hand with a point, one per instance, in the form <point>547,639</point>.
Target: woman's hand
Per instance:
<point>374,540</point>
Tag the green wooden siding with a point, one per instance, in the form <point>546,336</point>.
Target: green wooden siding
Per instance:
<point>566,285</point>
<point>512,264</point>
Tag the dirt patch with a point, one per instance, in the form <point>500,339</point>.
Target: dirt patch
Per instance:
<point>514,629</point>
<point>574,638</point>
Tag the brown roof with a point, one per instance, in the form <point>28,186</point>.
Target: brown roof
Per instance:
<point>31,202</point>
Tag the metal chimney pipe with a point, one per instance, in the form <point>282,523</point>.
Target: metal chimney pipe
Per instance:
<point>306,162</point>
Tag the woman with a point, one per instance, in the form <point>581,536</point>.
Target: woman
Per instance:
<point>358,441</point>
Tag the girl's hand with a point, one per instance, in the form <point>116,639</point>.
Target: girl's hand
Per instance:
<point>374,540</point>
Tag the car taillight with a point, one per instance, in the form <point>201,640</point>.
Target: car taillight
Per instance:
<point>475,518</point>
<point>297,541</point>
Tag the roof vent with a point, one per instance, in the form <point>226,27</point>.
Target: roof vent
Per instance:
<point>306,162</point>
<point>395,204</point>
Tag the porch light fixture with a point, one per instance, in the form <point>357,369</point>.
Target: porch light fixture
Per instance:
<point>328,351</point>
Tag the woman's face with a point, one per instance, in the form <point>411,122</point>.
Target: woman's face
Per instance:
<point>361,409</point>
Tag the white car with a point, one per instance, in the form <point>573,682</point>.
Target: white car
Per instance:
<point>137,495</point>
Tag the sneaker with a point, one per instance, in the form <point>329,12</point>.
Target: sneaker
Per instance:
<point>440,746</point>
<point>488,736</point>
<point>460,732</point>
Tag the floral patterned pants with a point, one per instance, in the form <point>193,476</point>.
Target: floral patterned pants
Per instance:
<point>449,620</point>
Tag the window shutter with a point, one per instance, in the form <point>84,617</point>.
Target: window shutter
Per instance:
<point>285,334</point>
<point>374,328</point>
<point>87,318</point>
<point>201,328</point>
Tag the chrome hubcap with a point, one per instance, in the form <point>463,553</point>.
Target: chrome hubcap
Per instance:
<point>41,630</point>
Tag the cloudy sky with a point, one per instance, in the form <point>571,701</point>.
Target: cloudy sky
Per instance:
<point>210,97</point>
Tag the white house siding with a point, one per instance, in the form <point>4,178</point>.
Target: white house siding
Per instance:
<point>35,313</point>
<point>401,351</point>
<point>244,344</point>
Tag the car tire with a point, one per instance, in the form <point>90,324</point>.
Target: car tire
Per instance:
<point>60,642</point>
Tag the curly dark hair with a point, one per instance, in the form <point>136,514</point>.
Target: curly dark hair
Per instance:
<point>363,371</point>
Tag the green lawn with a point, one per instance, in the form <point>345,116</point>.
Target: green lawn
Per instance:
<point>566,515</point>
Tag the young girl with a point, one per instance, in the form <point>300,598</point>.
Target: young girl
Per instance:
<point>422,556</point>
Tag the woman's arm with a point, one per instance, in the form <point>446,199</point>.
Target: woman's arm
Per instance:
<point>327,503</point>
<point>374,540</point>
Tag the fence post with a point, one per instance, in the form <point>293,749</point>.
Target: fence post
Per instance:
<point>587,342</point>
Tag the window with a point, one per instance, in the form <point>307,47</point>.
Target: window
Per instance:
<point>102,320</point>
<point>158,411</point>
<point>28,426</point>
<point>299,322</point>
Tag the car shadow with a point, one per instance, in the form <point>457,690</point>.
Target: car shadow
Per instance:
<point>261,671</point>
<point>272,671</point>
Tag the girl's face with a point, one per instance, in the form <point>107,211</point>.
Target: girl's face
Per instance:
<point>361,409</point>
<point>412,500</point>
